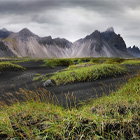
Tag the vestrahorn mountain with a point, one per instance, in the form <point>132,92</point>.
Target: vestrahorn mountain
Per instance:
<point>135,51</point>
<point>98,44</point>
<point>101,44</point>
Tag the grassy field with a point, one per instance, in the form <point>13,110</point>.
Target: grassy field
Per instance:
<point>85,72</point>
<point>71,61</point>
<point>7,66</point>
<point>116,116</point>
<point>40,116</point>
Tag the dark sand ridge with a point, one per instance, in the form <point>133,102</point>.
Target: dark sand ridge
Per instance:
<point>12,81</point>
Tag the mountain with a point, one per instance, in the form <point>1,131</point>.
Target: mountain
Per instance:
<point>4,33</point>
<point>135,51</point>
<point>101,44</point>
<point>5,51</point>
<point>98,44</point>
<point>27,44</point>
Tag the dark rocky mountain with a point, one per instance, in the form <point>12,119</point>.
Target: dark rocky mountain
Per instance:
<point>4,33</point>
<point>5,51</point>
<point>101,44</point>
<point>25,33</point>
<point>98,44</point>
<point>27,44</point>
<point>62,42</point>
<point>135,51</point>
<point>114,39</point>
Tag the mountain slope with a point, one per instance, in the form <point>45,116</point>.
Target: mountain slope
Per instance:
<point>135,51</point>
<point>4,33</point>
<point>27,44</point>
<point>97,44</point>
<point>5,51</point>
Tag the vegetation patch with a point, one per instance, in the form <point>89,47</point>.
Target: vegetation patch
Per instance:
<point>131,62</point>
<point>7,66</point>
<point>86,64</point>
<point>114,61</point>
<point>116,116</point>
<point>21,60</point>
<point>58,62</point>
<point>90,73</point>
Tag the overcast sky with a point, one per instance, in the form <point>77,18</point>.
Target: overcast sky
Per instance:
<point>73,19</point>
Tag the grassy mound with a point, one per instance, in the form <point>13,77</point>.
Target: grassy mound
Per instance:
<point>7,66</point>
<point>86,64</point>
<point>131,62</point>
<point>58,62</point>
<point>87,73</point>
<point>116,116</point>
<point>114,61</point>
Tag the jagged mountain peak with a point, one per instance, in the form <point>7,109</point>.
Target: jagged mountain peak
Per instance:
<point>114,39</point>
<point>96,34</point>
<point>62,42</point>
<point>110,29</point>
<point>135,51</point>
<point>4,33</point>
<point>49,37</point>
<point>4,30</point>
<point>60,39</point>
<point>134,48</point>
<point>25,32</point>
<point>97,44</point>
<point>46,38</point>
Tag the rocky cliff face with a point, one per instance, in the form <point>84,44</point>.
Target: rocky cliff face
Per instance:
<point>5,51</point>
<point>135,51</point>
<point>98,44</point>
<point>114,39</point>
<point>4,33</point>
<point>101,44</point>
<point>25,43</point>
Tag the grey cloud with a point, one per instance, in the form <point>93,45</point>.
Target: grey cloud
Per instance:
<point>133,36</point>
<point>24,7</point>
<point>72,19</point>
<point>46,18</point>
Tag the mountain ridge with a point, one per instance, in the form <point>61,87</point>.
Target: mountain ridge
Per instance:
<point>98,44</point>
<point>135,51</point>
<point>101,44</point>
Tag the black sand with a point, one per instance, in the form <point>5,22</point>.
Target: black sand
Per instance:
<point>12,81</point>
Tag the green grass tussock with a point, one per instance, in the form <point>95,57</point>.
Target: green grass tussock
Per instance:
<point>131,62</point>
<point>116,116</point>
<point>58,62</point>
<point>7,66</point>
<point>89,73</point>
<point>114,61</point>
<point>86,64</point>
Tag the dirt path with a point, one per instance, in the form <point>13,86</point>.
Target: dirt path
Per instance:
<point>12,81</point>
